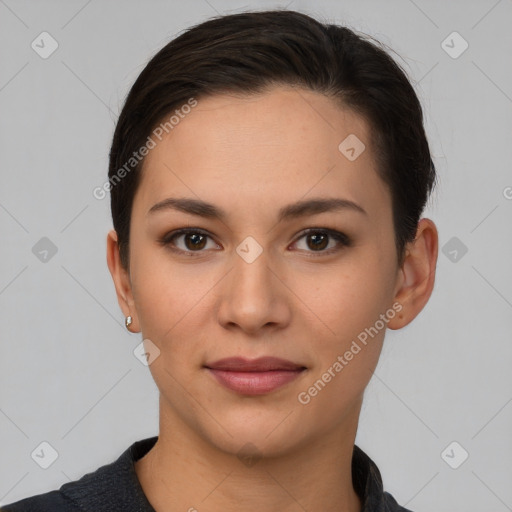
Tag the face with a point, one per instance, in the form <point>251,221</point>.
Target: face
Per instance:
<point>267,278</point>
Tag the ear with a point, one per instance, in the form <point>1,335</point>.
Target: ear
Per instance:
<point>121,278</point>
<point>417,274</point>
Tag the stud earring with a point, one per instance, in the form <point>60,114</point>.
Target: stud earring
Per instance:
<point>128,322</point>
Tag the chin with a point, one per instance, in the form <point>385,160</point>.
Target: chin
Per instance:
<point>249,445</point>
<point>269,435</point>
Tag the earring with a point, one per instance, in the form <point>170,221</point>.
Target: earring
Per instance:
<point>128,322</point>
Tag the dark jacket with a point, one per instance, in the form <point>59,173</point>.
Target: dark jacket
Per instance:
<point>115,487</point>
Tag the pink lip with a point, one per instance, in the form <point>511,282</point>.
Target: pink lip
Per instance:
<point>254,377</point>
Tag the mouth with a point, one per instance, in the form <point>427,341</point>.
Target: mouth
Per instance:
<point>254,377</point>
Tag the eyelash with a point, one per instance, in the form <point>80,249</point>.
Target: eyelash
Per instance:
<point>341,238</point>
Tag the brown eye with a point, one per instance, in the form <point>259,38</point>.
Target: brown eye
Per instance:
<point>317,240</point>
<point>321,241</point>
<point>197,241</point>
<point>193,241</point>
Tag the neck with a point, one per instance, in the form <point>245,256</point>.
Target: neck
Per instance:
<point>183,472</point>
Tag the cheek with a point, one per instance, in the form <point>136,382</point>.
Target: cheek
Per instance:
<point>349,298</point>
<point>349,330</point>
<point>346,353</point>
<point>171,300</point>
<point>159,288</point>
<point>166,305</point>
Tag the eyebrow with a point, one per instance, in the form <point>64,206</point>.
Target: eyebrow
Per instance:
<point>291,211</point>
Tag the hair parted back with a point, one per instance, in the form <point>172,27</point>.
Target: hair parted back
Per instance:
<point>247,53</point>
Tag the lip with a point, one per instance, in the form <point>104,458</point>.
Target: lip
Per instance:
<point>254,376</point>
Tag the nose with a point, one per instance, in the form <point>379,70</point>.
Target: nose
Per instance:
<point>253,296</point>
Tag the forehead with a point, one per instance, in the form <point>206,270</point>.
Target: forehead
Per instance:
<point>280,145</point>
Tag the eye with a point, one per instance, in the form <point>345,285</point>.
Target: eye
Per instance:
<point>318,240</point>
<point>194,240</point>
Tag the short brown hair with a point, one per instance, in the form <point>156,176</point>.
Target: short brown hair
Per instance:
<point>251,51</point>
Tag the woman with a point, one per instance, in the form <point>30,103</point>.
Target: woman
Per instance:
<point>267,177</point>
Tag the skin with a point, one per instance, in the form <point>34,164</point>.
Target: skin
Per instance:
<point>250,156</point>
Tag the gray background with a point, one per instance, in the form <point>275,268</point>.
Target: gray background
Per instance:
<point>68,375</point>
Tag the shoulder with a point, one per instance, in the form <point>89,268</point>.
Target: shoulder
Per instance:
<point>368,484</point>
<point>68,497</point>
<point>47,502</point>
<point>113,486</point>
<point>391,505</point>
